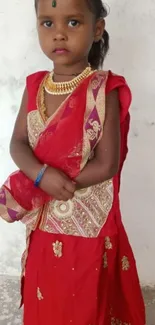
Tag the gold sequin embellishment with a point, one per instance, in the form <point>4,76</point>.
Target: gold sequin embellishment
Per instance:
<point>125,263</point>
<point>57,249</point>
<point>35,126</point>
<point>108,244</point>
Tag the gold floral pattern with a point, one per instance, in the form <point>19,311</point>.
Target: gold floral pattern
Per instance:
<point>125,263</point>
<point>84,215</point>
<point>108,244</point>
<point>57,249</point>
<point>92,133</point>
<point>63,209</point>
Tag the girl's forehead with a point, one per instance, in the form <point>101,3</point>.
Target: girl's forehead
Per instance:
<point>63,5</point>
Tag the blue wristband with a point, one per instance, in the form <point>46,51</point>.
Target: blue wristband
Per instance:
<point>39,176</point>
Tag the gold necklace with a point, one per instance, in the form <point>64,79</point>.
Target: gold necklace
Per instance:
<point>67,87</point>
<point>40,100</point>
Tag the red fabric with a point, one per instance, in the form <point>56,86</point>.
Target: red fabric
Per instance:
<point>68,285</point>
<point>33,82</point>
<point>76,288</point>
<point>125,97</point>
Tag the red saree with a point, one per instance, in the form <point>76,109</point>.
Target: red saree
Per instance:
<point>80,267</point>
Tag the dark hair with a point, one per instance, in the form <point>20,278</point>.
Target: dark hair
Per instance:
<point>99,49</point>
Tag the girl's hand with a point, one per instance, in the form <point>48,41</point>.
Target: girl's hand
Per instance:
<point>57,184</point>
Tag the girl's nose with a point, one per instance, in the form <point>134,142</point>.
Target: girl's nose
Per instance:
<point>60,34</point>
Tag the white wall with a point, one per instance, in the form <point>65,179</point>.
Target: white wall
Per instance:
<point>131,25</point>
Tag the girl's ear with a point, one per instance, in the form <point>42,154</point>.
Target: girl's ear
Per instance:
<point>99,30</point>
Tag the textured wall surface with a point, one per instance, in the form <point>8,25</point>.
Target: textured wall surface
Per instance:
<point>131,25</point>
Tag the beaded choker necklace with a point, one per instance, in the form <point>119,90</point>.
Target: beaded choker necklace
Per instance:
<point>67,87</point>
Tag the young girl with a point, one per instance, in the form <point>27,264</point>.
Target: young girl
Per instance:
<point>70,143</point>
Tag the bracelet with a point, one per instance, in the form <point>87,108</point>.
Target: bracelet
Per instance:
<point>40,175</point>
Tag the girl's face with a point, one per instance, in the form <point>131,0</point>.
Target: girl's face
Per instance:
<point>67,32</point>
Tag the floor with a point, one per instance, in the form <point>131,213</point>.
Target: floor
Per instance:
<point>9,302</point>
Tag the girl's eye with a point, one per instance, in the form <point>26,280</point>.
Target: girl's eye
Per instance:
<point>73,23</point>
<point>47,24</point>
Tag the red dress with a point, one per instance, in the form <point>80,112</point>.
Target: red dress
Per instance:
<point>80,268</point>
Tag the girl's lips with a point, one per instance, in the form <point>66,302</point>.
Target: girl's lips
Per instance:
<point>60,51</point>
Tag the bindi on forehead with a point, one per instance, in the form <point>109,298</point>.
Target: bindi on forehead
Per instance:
<point>54,3</point>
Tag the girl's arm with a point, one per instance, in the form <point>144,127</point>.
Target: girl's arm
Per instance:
<point>105,163</point>
<point>54,182</point>
<point>20,150</point>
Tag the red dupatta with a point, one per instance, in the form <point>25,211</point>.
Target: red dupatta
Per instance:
<point>19,195</point>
